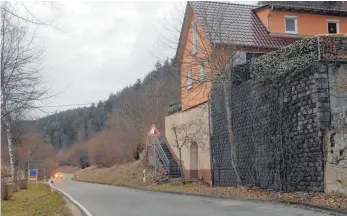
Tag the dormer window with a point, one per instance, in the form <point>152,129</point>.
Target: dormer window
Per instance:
<point>333,26</point>
<point>291,24</point>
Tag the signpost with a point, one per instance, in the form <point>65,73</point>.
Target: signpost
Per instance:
<point>33,174</point>
<point>154,132</point>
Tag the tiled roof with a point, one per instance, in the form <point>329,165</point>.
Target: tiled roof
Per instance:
<point>229,23</point>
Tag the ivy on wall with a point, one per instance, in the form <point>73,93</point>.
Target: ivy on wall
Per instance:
<point>292,58</point>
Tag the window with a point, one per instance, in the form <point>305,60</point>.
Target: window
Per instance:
<point>291,24</point>
<point>333,26</point>
<point>202,72</point>
<point>190,78</point>
<point>195,37</point>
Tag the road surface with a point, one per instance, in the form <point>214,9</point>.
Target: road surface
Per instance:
<point>104,200</point>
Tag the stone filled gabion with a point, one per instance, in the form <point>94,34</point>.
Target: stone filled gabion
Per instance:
<point>278,113</point>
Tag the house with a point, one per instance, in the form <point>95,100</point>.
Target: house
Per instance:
<point>217,34</point>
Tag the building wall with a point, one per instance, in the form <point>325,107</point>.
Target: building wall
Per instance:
<point>198,94</point>
<point>308,24</point>
<point>336,163</point>
<point>198,114</point>
<point>263,16</point>
<point>336,138</point>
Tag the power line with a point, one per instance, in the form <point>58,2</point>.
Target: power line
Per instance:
<point>68,105</point>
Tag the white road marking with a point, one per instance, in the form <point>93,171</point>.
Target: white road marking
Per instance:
<point>74,201</point>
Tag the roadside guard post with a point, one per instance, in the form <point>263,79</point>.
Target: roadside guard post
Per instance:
<point>33,173</point>
<point>144,176</point>
<point>154,132</point>
<point>50,181</point>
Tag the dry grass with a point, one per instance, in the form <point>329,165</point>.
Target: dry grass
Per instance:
<point>130,174</point>
<point>37,200</point>
<point>68,169</point>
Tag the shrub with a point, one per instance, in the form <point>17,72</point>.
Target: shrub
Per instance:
<point>6,191</point>
<point>23,184</point>
<point>108,148</point>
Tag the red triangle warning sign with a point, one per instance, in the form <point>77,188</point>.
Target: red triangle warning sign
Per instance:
<point>153,131</point>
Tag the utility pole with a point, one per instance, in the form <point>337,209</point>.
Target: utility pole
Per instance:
<point>28,167</point>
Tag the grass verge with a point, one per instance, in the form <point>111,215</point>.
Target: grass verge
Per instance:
<point>131,175</point>
<point>35,201</point>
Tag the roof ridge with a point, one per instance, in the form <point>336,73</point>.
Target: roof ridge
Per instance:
<point>304,6</point>
<point>229,3</point>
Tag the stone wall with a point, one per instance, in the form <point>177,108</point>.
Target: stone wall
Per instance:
<point>280,108</point>
<point>277,130</point>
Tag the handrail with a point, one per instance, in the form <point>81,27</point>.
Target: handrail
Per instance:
<point>162,155</point>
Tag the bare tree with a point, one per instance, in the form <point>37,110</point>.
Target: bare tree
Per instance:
<point>21,71</point>
<point>193,131</point>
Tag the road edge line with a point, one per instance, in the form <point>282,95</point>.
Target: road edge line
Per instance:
<point>83,210</point>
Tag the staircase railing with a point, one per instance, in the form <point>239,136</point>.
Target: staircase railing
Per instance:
<point>161,154</point>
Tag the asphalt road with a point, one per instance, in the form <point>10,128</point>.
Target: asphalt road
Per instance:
<point>104,200</point>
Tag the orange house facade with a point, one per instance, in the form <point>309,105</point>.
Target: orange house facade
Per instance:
<point>291,21</point>
<point>217,34</point>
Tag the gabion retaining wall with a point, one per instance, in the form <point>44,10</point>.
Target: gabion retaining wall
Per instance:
<point>277,131</point>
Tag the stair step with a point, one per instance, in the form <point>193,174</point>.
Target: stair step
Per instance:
<point>173,169</point>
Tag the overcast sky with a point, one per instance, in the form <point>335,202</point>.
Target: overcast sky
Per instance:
<point>102,46</point>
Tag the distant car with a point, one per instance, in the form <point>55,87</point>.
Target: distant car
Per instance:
<point>58,175</point>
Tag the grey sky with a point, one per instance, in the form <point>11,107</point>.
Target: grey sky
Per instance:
<point>103,46</point>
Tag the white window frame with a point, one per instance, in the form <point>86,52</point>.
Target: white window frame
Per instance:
<point>295,24</point>
<point>337,25</point>
<point>194,37</point>
<point>202,72</point>
<point>190,79</point>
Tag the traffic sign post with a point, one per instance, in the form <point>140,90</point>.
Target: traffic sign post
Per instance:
<point>33,174</point>
<point>154,132</point>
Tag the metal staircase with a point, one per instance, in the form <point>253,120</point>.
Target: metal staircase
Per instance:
<point>163,154</point>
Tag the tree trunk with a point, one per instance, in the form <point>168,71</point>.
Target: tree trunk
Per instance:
<point>181,166</point>
<point>231,136</point>
<point>10,146</point>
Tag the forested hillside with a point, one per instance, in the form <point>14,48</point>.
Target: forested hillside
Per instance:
<point>131,111</point>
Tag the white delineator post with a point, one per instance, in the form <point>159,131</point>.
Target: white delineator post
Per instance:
<point>50,184</point>
<point>144,176</point>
